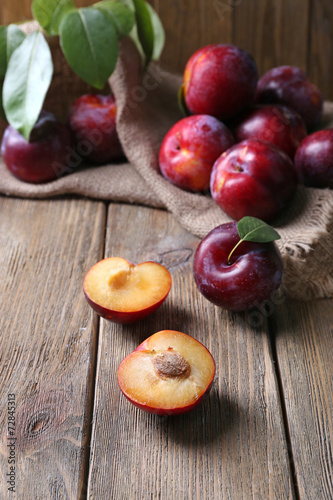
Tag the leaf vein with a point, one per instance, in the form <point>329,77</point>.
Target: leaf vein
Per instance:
<point>85,27</point>
<point>29,67</point>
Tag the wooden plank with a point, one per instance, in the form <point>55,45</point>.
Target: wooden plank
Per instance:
<point>233,446</point>
<point>320,61</point>
<point>47,342</point>
<point>275,33</point>
<point>304,345</point>
<point>191,24</point>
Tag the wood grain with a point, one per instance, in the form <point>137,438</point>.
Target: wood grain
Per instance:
<point>233,446</point>
<point>320,53</point>
<point>191,24</point>
<point>48,341</point>
<point>275,33</point>
<point>304,345</point>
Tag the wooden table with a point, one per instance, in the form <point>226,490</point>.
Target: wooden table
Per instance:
<point>265,430</point>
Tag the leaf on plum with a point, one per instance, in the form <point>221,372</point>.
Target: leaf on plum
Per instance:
<point>253,229</point>
<point>26,83</point>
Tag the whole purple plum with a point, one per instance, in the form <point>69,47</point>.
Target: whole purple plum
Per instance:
<point>219,80</point>
<point>289,85</point>
<point>251,276</point>
<point>314,159</point>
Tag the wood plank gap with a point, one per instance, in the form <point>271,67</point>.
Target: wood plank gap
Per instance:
<point>90,412</point>
<point>271,331</point>
<point>106,205</point>
<point>233,25</point>
<point>309,38</point>
<point>93,381</point>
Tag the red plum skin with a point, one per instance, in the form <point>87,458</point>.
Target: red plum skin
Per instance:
<point>219,80</point>
<point>253,178</point>
<point>252,276</point>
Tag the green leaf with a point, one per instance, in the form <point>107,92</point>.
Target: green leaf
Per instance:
<point>119,14</point>
<point>2,111</point>
<point>256,230</point>
<point>253,229</point>
<point>11,37</point>
<point>145,28</point>
<point>90,45</point>
<point>135,37</point>
<point>158,31</point>
<point>27,80</point>
<point>181,102</point>
<point>128,3</point>
<point>50,13</point>
<point>159,34</point>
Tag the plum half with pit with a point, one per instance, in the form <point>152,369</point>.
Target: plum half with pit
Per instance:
<point>168,374</point>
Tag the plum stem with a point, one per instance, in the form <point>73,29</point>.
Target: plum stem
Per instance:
<point>232,251</point>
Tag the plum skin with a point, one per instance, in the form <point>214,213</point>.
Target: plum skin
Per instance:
<point>92,117</point>
<point>314,159</point>
<point>122,317</point>
<point>253,178</point>
<point>170,411</point>
<point>289,85</point>
<point>190,148</point>
<point>219,80</point>
<point>276,124</point>
<point>36,160</point>
<point>253,275</point>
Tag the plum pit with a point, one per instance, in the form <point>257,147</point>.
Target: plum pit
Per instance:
<point>171,364</point>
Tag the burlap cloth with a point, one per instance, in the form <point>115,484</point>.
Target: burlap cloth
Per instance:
<point>147,107</point>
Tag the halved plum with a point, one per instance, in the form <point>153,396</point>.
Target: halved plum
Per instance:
<point>168,374</point>
<point>123,292</point>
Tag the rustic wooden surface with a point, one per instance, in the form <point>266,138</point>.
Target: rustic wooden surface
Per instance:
<point>304,344</point>
<point>225,446</point>
<point>275,32</point>
<point>264,432</point>
<point>48,342</point>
